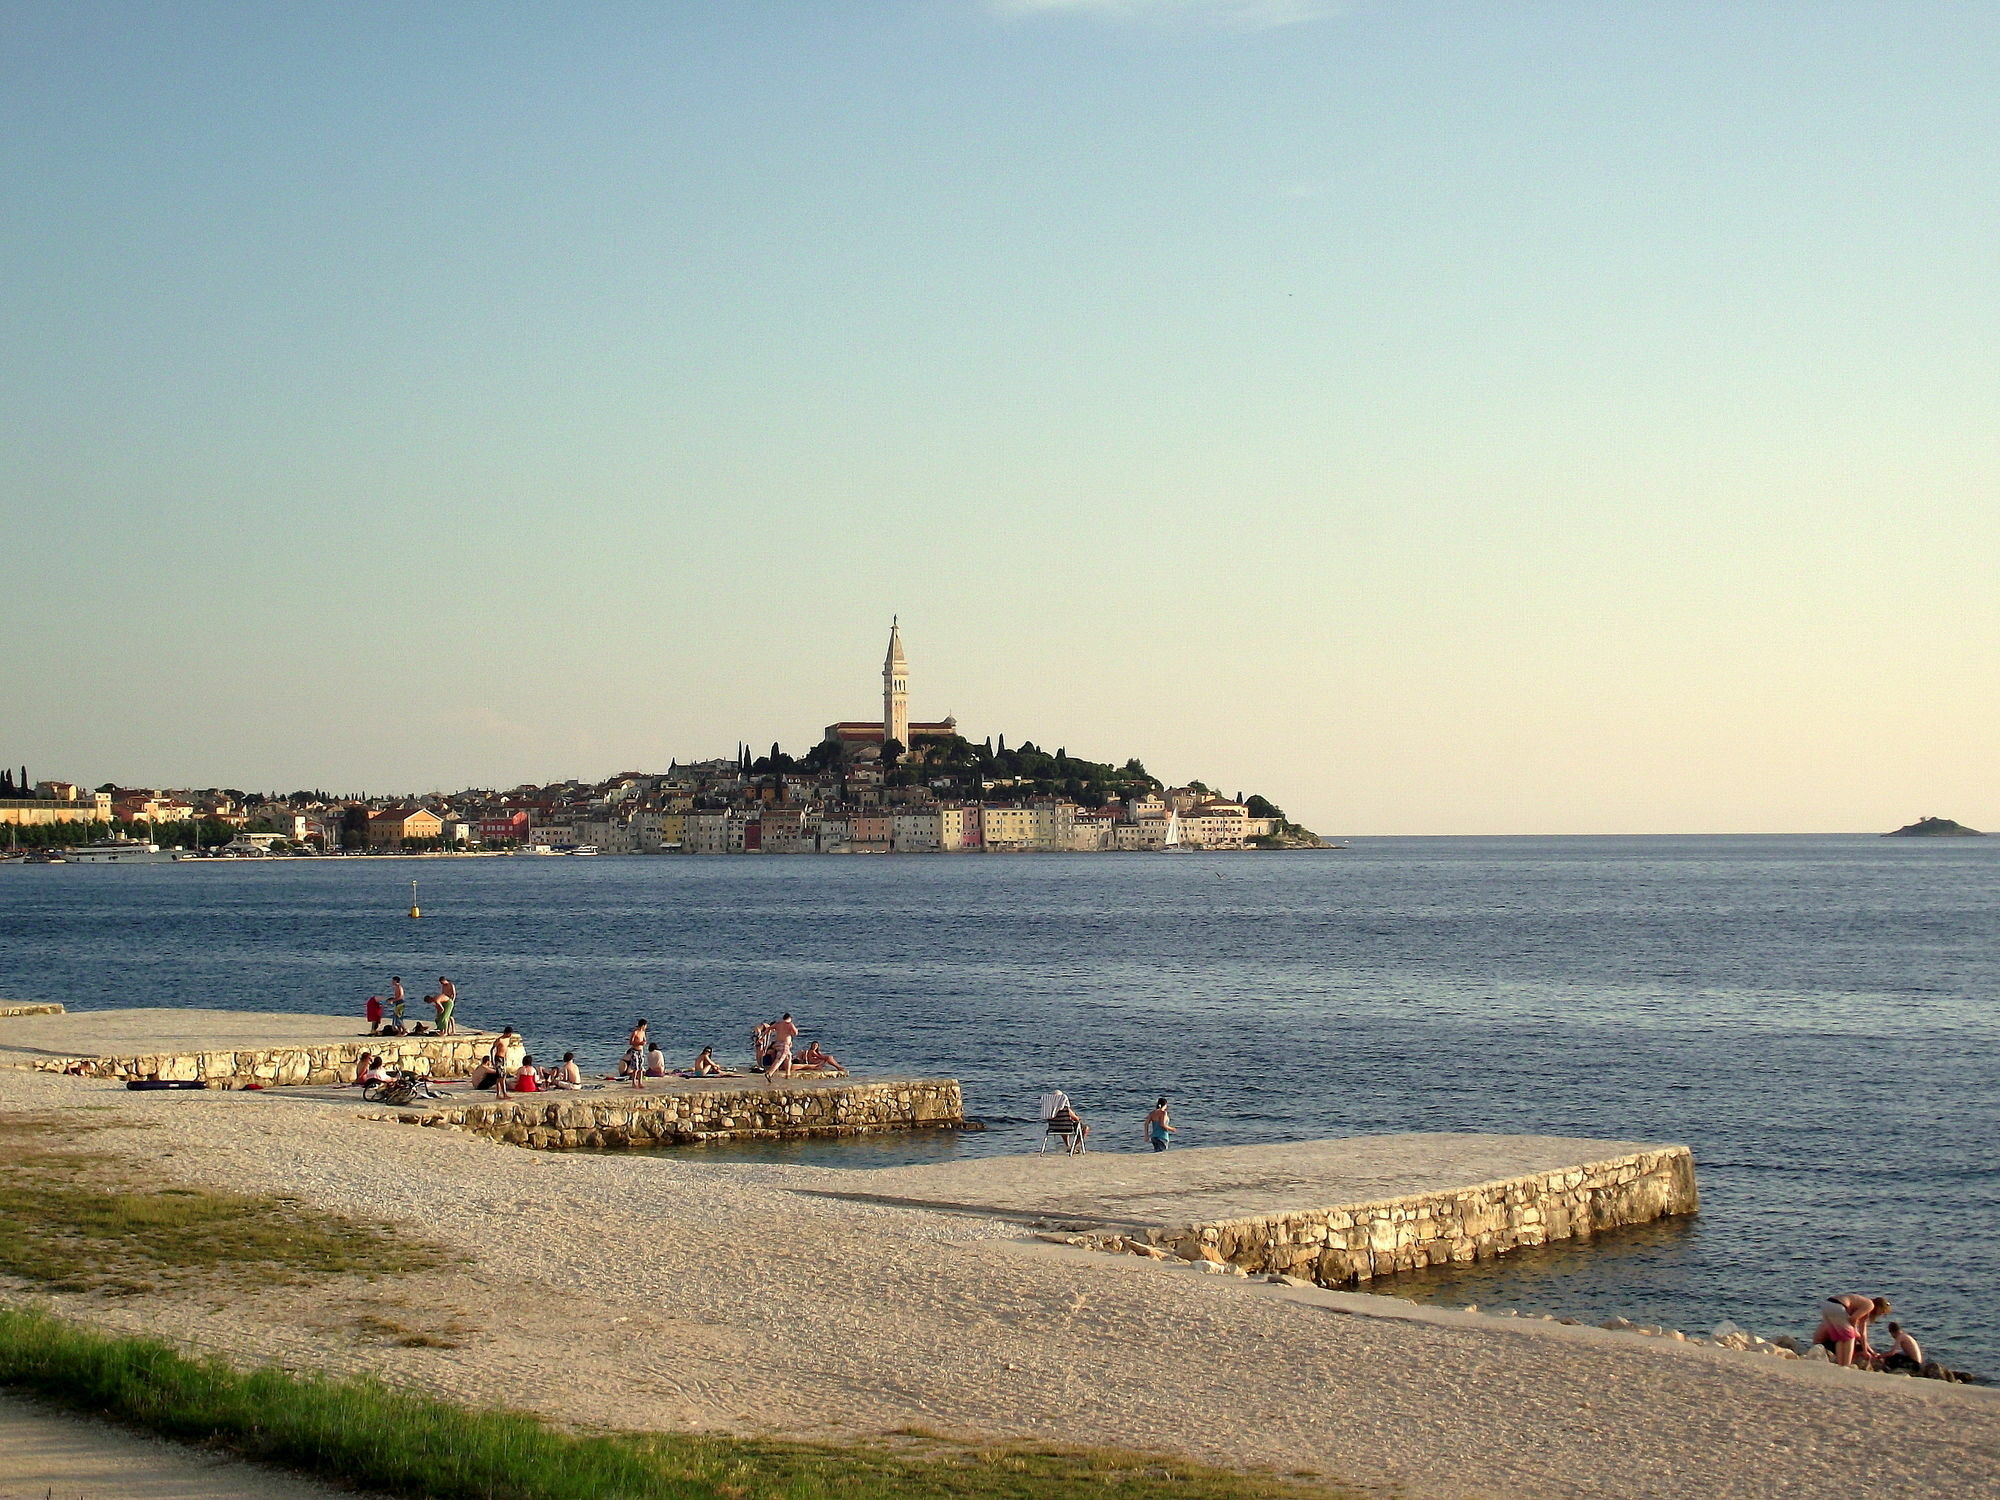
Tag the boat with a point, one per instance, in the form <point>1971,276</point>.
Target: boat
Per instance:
<point>582,850</point>
<point>531,850</point>
<point>116,851</point>
<point>47,857</point>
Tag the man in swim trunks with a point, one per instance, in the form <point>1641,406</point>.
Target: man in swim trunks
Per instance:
<point>447,1004</point>
<point>783,1033</point>
<point>635,1053</point>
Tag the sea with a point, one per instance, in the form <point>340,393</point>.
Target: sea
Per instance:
<point>1815,1016</point>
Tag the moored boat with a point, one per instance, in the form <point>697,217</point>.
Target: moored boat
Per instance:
<point>116,851</point>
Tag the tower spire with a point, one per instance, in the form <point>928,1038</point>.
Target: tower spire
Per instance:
<point>896,688</point>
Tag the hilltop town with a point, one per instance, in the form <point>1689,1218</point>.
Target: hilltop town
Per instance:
<point>887,785</point>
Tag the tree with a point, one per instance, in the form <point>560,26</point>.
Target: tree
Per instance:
<point>892,751</point>
<point>1259,806</point>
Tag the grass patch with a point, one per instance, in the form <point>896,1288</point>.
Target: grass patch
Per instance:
<point>375,1326</point>
<point>79,1221</point>
<point>376,1437</point>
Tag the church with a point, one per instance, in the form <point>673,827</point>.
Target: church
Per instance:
<point>862,739</point>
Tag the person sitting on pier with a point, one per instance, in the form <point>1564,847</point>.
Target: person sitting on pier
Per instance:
<point>529,1079</point>
<point>656,1062</point>
<point>564,1075</point>
<point>817,1059</point>
<point>705,1066</point>
<point>1843,1327</point>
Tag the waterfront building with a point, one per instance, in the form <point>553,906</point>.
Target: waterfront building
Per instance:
<point>510,827</point>
<point>42,812</point>
<point>1009,829</point>
<point>1215,824</point>
<point>914,830</point>
<point>705,833</point>
<point>790,830</point>
<point>870,832</point>
<point>390,827</point>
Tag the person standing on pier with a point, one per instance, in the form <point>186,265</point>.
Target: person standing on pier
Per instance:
<point>783,1034</point>
<point>1158,1127</point>
<point>635,1053</point>
<point>373,1011</point>
<point>447,1006</point>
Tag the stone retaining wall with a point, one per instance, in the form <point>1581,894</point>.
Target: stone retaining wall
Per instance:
<point>1342,1246</point>
<point>331,1062</point>
<point>615,1118</point>
<point>28,1008</point>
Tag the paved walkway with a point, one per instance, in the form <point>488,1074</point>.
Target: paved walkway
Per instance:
<point>152,1031</point>
<point>48,1456</point>
<point>1228,1182</point>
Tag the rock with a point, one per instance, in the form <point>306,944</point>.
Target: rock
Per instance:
<point>1215,1267</point>
<point>1287,1280</point>
<point>1723,1329</point>
<point>1816,1352</point>
<point>1618,1325</point>
<point>1934,828</point>
<point>1470,1307</point>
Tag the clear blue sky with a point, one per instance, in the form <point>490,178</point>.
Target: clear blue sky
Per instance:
<point>1441,417</point>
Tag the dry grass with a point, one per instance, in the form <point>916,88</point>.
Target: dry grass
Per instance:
<point>81,1221</point>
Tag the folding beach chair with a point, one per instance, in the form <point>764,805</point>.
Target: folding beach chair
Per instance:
<point>1066,1128</point>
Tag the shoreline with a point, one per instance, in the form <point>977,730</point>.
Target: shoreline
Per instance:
<point>702,1296</point>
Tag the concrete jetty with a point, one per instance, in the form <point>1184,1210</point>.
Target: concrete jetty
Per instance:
<point>703,1111</point>
<point>274,1050</point>
<point>1334,1211</point>
<point>221,1048</point>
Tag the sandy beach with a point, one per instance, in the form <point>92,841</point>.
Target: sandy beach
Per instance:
<point>665,1291</point>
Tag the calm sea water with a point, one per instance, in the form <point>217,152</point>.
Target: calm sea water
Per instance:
<point>1815,1016</point>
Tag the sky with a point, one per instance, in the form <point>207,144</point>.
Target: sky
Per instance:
<point>1439,417</point>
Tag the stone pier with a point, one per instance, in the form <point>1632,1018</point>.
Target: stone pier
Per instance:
<point>223,1049</point>
<point>699,1111</point>
<point>1337,1212</point>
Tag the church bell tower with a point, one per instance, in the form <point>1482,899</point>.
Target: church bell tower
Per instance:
<point>896,690</point>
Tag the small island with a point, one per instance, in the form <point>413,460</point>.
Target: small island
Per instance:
<point>1935,828</point>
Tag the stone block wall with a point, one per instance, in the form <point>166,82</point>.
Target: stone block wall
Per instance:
<point>622,1118</point>
<point>28,1008</point>
<point>1353,1243</point>
<point>331,1062</point>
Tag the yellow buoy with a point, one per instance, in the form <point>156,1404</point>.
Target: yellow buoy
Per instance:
<point>415,910</point>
